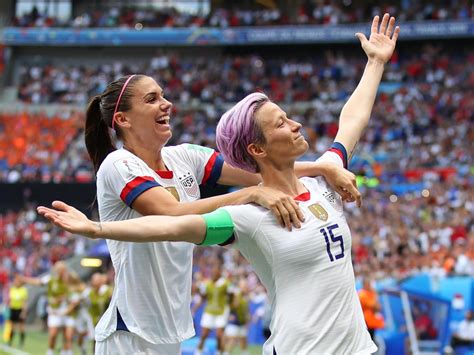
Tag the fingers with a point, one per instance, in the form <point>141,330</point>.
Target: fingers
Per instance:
<point>391,25</point>
<point>383,25</point>
<point>295,214</point>
<point>361,37</point>
<point>60,205</point>
<point>43,210</point>
<point>375,25</point>
<point>285,215</point>
<point>395,34</point>
<point>355,194</point>
<point>277,214</point>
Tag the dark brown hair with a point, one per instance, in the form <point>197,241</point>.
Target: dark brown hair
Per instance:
<point>99,118</point>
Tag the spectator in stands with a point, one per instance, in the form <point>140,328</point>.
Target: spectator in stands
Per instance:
<point>464,334</point>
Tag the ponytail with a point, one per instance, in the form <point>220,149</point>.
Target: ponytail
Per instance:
<point>98,140</point>
<point>100,117</point>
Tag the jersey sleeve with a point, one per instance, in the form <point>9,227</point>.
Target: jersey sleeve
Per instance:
<point>246,219</point>
<point>127,178</point>
<point>336,154</point>
<point>206,162</point>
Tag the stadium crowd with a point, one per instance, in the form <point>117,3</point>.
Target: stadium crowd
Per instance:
<point>327,12</point>
<point>425,108</point>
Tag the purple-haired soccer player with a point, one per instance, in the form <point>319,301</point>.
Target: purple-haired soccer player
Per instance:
<point>307,272</point>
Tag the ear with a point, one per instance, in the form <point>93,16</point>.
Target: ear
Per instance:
<point>256,151</point>
<point>122,120</point>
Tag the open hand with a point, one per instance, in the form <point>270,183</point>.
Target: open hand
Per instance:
<point>68,218</point>
<point>382,40</point>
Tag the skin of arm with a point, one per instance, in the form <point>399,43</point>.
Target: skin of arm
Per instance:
<point>190,228</point>
<point>236,177</point>
<point>32,281</point>
<point>355,114</point>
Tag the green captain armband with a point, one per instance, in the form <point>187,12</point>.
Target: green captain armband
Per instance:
<point>219,227</point>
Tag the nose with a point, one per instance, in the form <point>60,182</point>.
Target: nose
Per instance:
<point>296,126</point>
<point>165,105</point>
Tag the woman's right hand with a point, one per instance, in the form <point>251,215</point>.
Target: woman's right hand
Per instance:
<point>283,206</point>
<point>69,219</point>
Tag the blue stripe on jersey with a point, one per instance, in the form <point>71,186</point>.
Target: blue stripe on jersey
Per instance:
<point>120,323</point>
<point>216,171</point>
<point>138,190</point>
<point>342,149</point>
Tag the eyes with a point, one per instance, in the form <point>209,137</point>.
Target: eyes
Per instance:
<point>153,98</point>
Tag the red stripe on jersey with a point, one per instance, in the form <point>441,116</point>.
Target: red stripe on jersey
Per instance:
<point>133,184</point>
<point>305,196</point>
<point>208,168</point>
<point>165,174</point>
<point>338,152</point>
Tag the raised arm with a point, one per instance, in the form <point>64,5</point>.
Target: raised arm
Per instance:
<point>355,114</point>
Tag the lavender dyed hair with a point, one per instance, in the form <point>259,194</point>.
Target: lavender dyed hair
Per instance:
<point>237,129</point>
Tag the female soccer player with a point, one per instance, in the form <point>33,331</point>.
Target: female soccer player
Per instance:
<point>308,272</point>
<point>149,309</point>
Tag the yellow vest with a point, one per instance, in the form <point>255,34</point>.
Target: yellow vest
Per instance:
<point>18,297</point>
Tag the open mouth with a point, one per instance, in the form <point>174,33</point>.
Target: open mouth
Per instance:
<point>163,120</point>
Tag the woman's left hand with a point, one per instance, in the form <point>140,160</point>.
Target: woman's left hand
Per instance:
<point>343,182</point>
<point>380,45</point>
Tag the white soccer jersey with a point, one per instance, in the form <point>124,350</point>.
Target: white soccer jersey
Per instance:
<point>307,272</point>
<point>152,280</point>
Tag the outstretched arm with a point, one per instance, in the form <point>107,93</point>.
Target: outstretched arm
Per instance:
<point>355,114</point>
<point>190,228</point>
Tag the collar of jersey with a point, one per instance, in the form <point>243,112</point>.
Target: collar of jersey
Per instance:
<point>165,174</point>
<point>305,196</point>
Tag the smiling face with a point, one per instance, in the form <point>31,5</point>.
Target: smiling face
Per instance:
<point>148,118</point>
<point>283,141</point>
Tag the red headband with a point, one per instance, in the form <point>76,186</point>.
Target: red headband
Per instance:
<point>120,96</point>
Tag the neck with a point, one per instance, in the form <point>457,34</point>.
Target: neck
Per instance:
<point>282,179</point>
<point>151,156</point>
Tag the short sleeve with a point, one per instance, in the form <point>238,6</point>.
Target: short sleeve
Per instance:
<point>207,163</point>
<point>247,219</point>
<point>127,177</point>
<point>336,154</point>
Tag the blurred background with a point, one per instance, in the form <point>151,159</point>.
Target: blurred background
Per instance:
<point>413,239</point>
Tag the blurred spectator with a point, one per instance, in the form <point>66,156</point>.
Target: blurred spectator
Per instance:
<point>328,12</point>
<point>464,335</point>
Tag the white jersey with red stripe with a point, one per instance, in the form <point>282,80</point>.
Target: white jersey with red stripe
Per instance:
<point>307,272</point>
<point>152,280</point>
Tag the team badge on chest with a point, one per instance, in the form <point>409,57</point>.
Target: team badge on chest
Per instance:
<point>190,185</point>
<point>319,212</point>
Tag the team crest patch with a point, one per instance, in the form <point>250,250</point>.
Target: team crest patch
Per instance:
<point>319,212</point>
<point>172,190</point>
<point>190,185</point>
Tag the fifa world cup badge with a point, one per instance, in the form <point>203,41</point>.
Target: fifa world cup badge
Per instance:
<point>319,212</point>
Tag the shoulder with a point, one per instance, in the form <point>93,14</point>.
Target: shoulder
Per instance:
<point>246,218</point>
<point>117,159</point>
